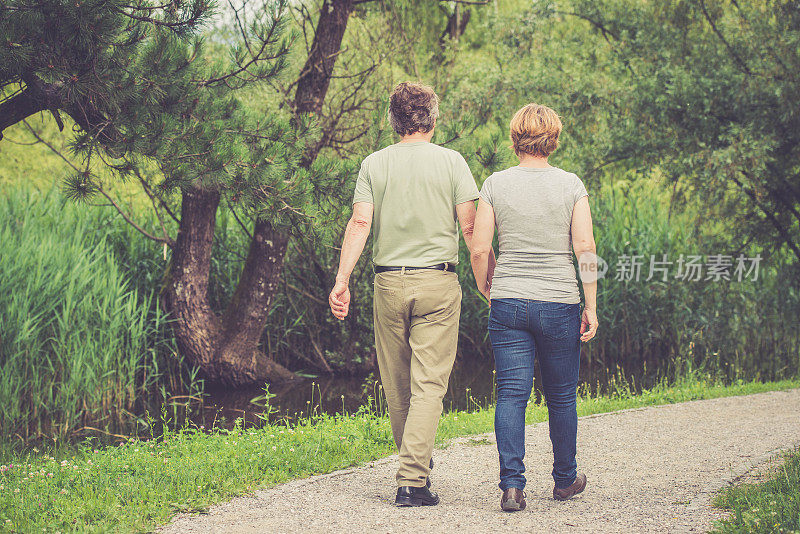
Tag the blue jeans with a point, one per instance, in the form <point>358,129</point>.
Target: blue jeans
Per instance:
<point>521,329</point>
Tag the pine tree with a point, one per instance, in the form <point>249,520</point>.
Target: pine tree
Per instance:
<point>73,57</point>
<point>159,104</point>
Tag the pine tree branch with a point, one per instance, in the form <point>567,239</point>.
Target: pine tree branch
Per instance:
<point>18,108</point>
<point>149,192</point>
<point>40,96</point>
<point>178,26</point>
<point>264,53</point>
<point>57,152</point>
<point>241,224</point>
<point>146,8</point>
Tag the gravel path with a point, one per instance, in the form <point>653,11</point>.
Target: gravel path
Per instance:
<point>649,469</point>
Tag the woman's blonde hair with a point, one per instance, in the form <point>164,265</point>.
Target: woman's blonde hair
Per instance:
<point>535,130</point>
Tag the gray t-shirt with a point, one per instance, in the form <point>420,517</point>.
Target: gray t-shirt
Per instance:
<point>533,214</point>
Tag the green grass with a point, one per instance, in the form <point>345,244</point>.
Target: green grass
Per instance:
<point>141,484</point>
<point>772,505</point>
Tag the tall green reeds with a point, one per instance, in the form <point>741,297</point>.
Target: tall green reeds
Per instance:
<point>84,345</point>
<point>665,328</point>
<point>81,350</point>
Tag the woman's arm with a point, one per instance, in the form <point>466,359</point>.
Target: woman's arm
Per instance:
<point>482,257</point>
<point>586,252</point>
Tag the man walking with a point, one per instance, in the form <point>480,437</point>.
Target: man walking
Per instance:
<point>412,192</point>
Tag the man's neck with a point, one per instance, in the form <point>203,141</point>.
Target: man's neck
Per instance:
<point>417,137</point>
<point>533,161</point>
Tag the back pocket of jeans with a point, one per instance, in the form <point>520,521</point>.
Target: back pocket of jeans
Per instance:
<point>502,315</point>
<point>558,322</point>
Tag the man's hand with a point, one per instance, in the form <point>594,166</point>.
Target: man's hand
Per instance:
<point>589,324</point>
<point>355,237</point>
<point>339,299</point>
<point>487,288</point>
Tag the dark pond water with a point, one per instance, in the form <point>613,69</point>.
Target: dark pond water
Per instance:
<point>471,386</point>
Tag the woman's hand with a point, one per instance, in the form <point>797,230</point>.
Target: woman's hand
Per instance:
<point>589,324</point>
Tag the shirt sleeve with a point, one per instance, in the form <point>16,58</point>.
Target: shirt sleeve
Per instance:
<point>464,188</point>
<point>486,191</point>
<point>579,191</point>
<point>363,191</point>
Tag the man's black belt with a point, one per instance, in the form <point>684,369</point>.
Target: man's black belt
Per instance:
<point>438,267</point>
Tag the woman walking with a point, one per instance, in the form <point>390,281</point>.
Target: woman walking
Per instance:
<point>542,216</point>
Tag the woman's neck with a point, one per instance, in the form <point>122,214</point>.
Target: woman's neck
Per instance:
<point>527,160</point>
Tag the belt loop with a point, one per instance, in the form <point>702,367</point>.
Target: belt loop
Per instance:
<point>402,270</point>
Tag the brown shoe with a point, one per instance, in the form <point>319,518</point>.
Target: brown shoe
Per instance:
<point>562,494</point>
<point>513,500</point>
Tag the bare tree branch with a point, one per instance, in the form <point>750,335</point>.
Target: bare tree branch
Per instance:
<point>169,242</point>
<point>730,48</point>
<point>166,240</point>
<point>784,233</point>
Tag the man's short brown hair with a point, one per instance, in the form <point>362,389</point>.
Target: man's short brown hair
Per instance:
<point>413,107</point>
<point>535,130</point>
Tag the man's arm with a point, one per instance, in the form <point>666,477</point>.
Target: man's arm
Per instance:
<point>466,219</point>
<point>355,237</point>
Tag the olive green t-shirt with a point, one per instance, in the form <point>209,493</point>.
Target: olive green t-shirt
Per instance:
<point>414,188</point>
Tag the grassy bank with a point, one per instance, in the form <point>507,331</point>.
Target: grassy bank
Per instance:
<point>140,484</point>
<point>772,505</point>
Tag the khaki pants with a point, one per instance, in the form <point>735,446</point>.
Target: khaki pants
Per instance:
<point>416,317</point>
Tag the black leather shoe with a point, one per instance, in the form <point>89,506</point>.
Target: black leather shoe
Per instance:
<point>411,496</point>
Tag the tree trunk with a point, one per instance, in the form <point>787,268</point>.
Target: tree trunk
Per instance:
<point>224,348</point>
<point>196,327</point>
<point>312,86</point>
<point>315,78</point>
<point>246,316</point>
